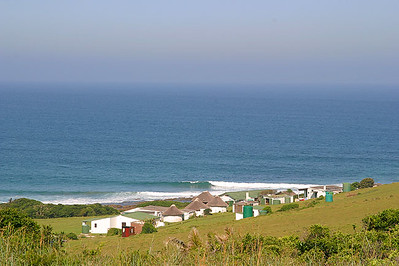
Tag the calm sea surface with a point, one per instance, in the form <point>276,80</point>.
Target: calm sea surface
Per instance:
<point>87,145</point>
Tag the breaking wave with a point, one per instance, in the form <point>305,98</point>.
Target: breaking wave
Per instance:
<point>164,190</point>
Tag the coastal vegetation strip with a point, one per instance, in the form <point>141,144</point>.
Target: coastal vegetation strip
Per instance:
<point>39,210</point>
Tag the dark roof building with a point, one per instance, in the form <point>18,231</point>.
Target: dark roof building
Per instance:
<point>205,197</point>
<point>196,205</point>
<point>172,211</point>
<point>217,202</point>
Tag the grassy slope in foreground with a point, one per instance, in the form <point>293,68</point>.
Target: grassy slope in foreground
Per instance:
<point>347,210</point>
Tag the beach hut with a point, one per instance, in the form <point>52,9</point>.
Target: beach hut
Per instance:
<point>217,205</point>
<point>173,215</point>
<point>197,206</point>
<point>204,197</point>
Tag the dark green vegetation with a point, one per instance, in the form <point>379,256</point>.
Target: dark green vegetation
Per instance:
<point>114,232</point>
<point>384,221</point>
<point>23,242</point>
<point>164,203</point>
<point>14,219</point>
<point>38,210</point>
<point>148,228</point>
<point>367,182</point>
<point>268,209</point>
<point>364,183</point>
<point>72,236</point>
<point>317,244</point>
<point>289,206</point>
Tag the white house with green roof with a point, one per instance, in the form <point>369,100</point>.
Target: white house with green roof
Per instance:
<point>102,225</point>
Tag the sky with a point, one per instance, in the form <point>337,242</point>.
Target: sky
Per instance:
<point>220,42</point>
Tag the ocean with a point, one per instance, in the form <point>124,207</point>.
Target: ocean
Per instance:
<point>111,144</point>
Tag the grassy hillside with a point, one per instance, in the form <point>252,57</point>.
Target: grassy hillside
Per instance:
<point>347,210</point>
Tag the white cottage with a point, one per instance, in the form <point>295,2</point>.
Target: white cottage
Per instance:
<point>217,205</point>
<point>102,225</point>
<point>197,206</point>
<point>173,215</point>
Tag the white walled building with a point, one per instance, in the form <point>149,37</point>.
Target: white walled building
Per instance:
<point>217,205</point>
<point>102,225</point>
<point>173,215</point>
<point>197,206</point>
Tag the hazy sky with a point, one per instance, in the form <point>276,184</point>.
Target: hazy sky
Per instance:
<point>204,41</point>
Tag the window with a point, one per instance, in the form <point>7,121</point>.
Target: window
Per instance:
<point>95,225</point>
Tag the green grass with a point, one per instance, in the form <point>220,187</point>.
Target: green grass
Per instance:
<point>347,210</point>
<point>66,225</point>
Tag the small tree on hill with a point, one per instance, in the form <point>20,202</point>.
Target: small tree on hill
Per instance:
<point>367,182</point>
<point>355,185</point>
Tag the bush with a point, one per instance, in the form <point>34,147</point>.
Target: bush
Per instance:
<point>289,206</point>
<point>148,228</point>
<point>382,221</point>
<point>72,236</point>
<point>16,219</point>
<point>355,185</point>
<point>38,210</point>
<point>367,182</point>
<point>114,232</point>
<point>320,198</point>
<point>207,212</point>
<point>268,209</point>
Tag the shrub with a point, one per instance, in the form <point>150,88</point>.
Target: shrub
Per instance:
<point>114,232</point>
<point>72,236</point>
<point>207,212</point>
<point>148,228</point>
<point>367,182</point>
<point>38,210</point>
<point>289,206</point>
<point>16,219</point>
<point>355,185</point>
<point>268,209</point>
<point>382,221</point>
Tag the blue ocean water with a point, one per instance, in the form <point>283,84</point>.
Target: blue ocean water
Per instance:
<point>80,145</point>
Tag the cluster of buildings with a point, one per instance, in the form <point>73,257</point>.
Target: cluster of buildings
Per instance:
<point>244,204</point>
<point>132,221</point>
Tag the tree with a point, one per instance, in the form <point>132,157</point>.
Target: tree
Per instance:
<point>355,185</point>
<point>367,182</point>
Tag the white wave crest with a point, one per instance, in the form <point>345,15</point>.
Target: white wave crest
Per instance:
<point>120,197</point>
<point>223,185</point>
